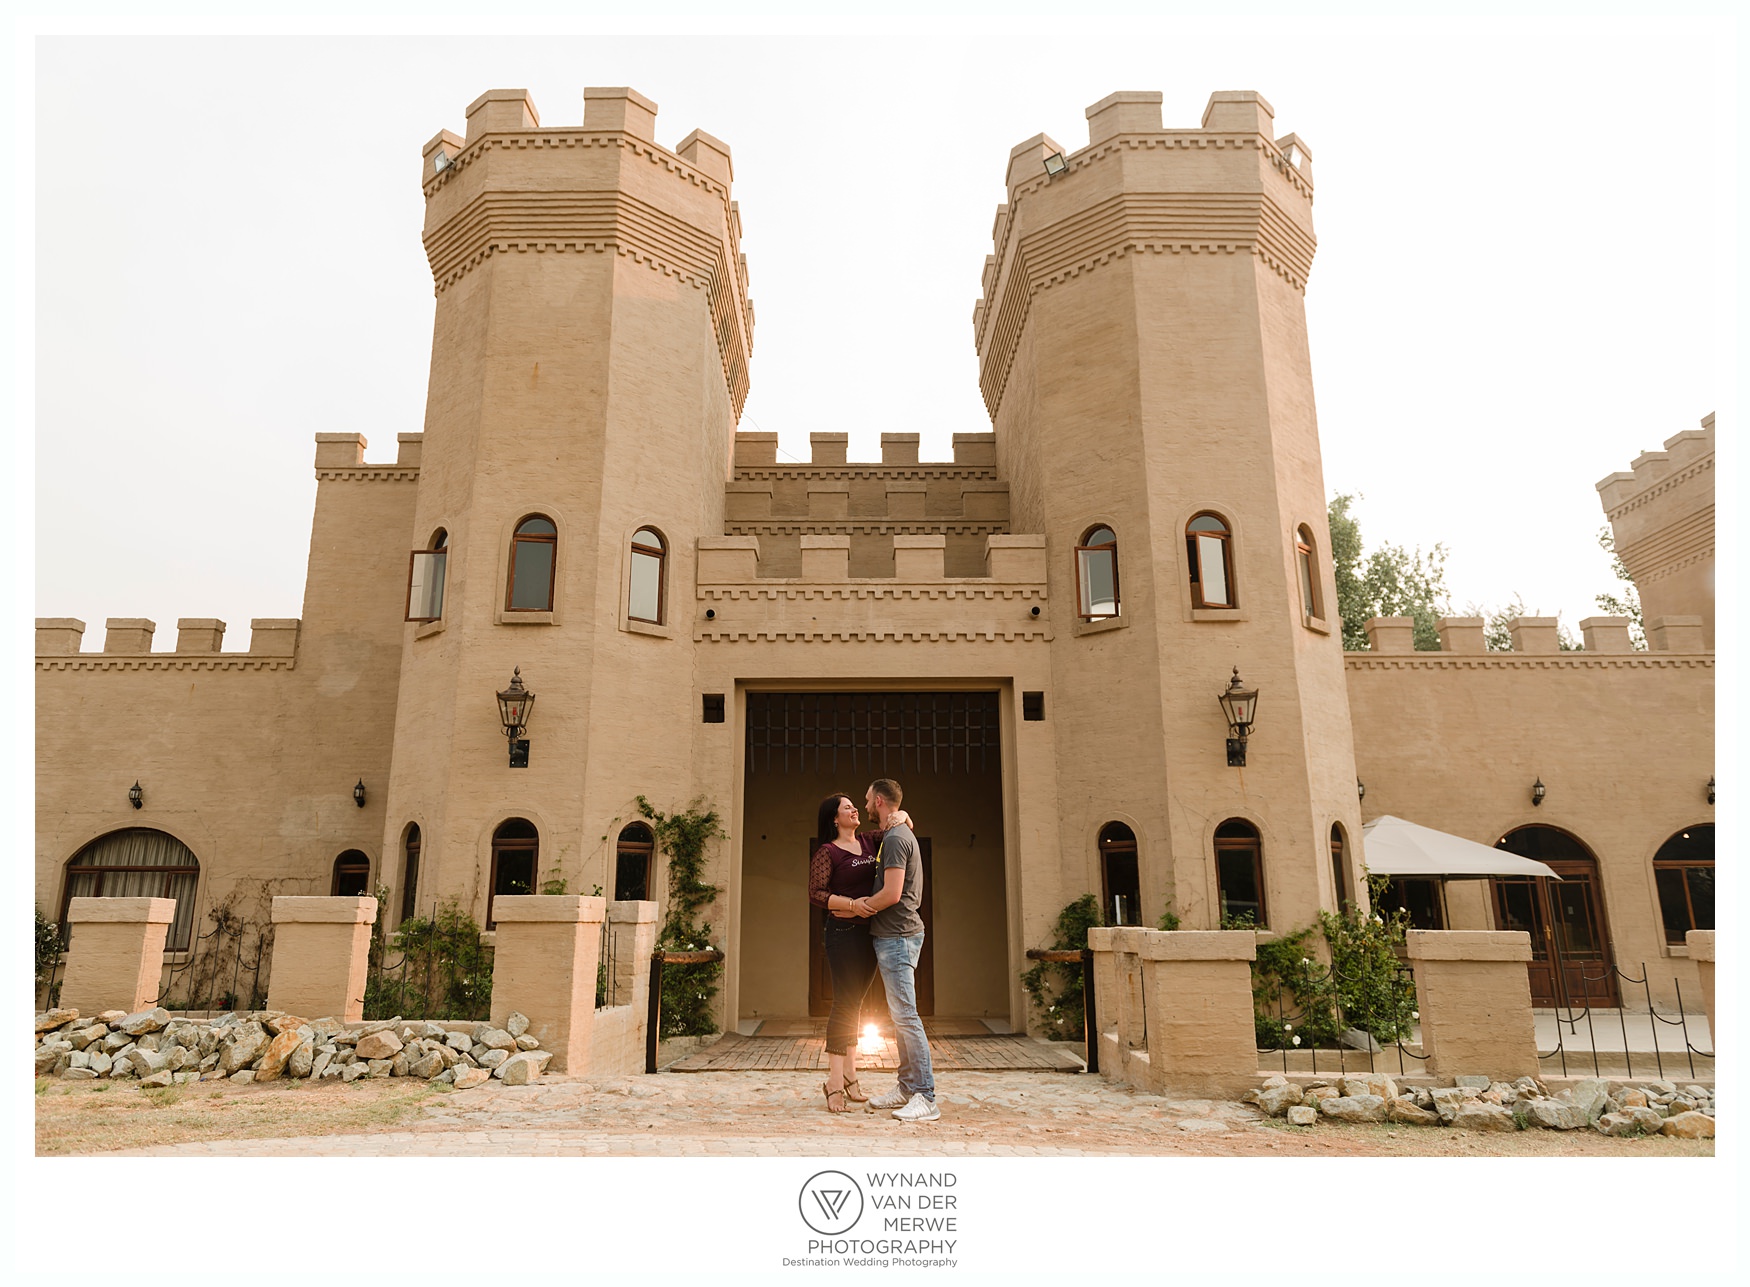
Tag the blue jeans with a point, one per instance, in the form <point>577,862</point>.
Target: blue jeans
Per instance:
<point>897,959</point>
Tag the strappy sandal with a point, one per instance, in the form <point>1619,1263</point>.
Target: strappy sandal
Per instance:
<point>855,1099</point>
<point>843,1108</point>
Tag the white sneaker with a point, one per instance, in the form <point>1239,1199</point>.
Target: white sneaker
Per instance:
<point>918,1108</point>
<point>895,1098</point>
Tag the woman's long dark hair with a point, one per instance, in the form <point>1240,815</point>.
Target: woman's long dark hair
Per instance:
<point>828,829</point>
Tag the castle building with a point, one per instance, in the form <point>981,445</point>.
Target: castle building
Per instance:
<point>1031,638</point>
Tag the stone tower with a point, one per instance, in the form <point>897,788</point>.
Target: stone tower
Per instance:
<point>589,363</point>
<point>1143,354</point>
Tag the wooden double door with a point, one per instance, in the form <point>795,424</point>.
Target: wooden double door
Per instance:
<point>875,1004</point>
<point>1571,961</point>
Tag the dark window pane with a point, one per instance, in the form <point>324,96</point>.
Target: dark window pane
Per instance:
<point>1101,536</point>
<point>532,576</point>
<point>1239,883</point>
<point>1099,583</point>
<point>536,527</point>
<point>631,875</point>
<point>1123,891</point>
<point>516,873</point>
<point>1701,896</point>
<point>1574,914</point>
<point>1518,907</point>
<point>1673,906</point>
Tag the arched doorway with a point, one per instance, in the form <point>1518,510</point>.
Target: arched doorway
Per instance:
<point>1571,960</point>
<point>634,861</point>
<point>1120,882</point>
<point>352,875</point>
<point>516,849</point>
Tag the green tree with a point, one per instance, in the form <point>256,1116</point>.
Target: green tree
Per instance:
<point>1628,603</point>
<point>1498,626</point>
<point>1389,582</point>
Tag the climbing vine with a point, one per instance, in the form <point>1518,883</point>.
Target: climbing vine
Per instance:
<point>687,990</point>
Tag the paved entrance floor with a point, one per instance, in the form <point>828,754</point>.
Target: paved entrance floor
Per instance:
<point>956,1052</point>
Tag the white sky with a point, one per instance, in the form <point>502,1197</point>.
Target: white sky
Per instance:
<point>1514,294</point>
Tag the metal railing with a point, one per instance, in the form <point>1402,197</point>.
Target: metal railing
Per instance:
<point>1569,1017</point>
<point>1090,1018</point>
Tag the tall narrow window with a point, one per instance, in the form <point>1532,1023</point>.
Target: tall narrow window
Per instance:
<point>649,576</point>
<point>532,552</point>
<point>633,856</point>
<point>137,863</point>
<point>410,873</point>
<point>1339,867</point>
<point>1097,574</point>
<point>1309,574</point>
<point>1683,872</point>
<point>352,875</point>
<point>1122,889</point>
<point>1239,870</point>
<point>1208,544</point>
<point>425,579</point>
<point>516,847</point>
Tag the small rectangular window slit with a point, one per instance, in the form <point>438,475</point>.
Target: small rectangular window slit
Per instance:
<point>1032,706</point>
<point>713,709</point>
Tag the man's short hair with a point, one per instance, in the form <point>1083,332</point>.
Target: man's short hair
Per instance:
<point>887,789</point>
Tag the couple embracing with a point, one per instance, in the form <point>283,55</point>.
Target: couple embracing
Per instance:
<point>871,885</point>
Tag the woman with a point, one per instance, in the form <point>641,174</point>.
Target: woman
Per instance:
<point>842,874</point>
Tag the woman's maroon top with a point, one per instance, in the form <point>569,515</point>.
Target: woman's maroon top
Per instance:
<point>835,870</point>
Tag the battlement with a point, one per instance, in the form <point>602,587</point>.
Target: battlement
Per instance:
<point>127,645</point>
<point>1684,454</point>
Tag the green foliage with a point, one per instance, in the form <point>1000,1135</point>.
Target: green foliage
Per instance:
<point>1056,990</point>
<point>1291,993</point>
<point>687,990</point>
<point>49,946</point>
<point>431,967</point>
<point>1498,625</point>
<point>1169,920</point>
<point>1628,603</point>
<point>1389,582</point>
<point>553,885</point>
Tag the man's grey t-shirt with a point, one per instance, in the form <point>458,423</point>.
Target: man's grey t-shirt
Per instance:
<point>899,848</point>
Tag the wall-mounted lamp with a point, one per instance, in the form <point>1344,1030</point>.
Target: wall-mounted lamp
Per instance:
<point>1538,791</point>
<point>1240,705</point>
<point>1360,789</point>
<point>136,797</point>
<point>358,793</point>
<point>1710,790</point>
<point>514,705</point>
<point>1055,164</point>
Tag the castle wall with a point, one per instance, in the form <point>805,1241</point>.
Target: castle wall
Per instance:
<point>1662,516</point>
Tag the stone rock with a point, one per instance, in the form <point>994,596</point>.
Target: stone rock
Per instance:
<point>1472,1080</point>
<point>446,1078</point>
<point>1681,1104</point>
<point>144,1021</point>
<point>378,1045</point>
<point>458,1041</point>
<point>1589,1097</point>
<point>1554,1115</point>
<point>183,1078</point>
<point>45,1059</point>
<point>375,1026</point>
<point>428,1067</point>
<point>448,1054</point>
<point>476,1050</point>
<point>377,1067</point>
<point>282,1023</point>
<point>398,1065</point>
<point>1688,1126</point>
<point>352,1072</point>
<point>1632,1099</point>
<point>1354,1108</point>
<point>1492,1097</point>
<point>493,1058</point>
<point>526,1042</point>
<point>85,1074</point>
<point>146,1062</point>
<point>244,1077</point>
<point>116,1042</point>
<point>63,1061</point>
<point>1302,1115</point>
<point>1531,1084</point>
<point>100,1062</point>
<point>1370,1084</point>
<point>159,1079</point>
<point>1276,1079</point>
<point>1629,1122</point>
<point>49,1020</point>
<point>209,1041</point>
<point>149,1041</point>
<point>1421,1097</point>
<point>1698,1092</point>
<point>1275,1100</point>
<point>210,1061</point>
<point>121,1070</point>
<point>518,1070</point>
<point>1403,1110</point>
<point>319,1065</point>
<point>497,1039</point>
<point>82,1037</point>
<point>303,1058</point>
<point>111,1017</point>
<point>468,1078</point>
<point>1659,1087</point>
<point>279,1051</point>
<point>242,1048</point>
<point>177,1058</point>
<point>1317,1093</point>
<point>1480,1116</point>
<point>516,1025</point>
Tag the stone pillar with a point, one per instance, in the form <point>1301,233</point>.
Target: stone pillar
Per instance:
<point>544,967</point>
<point>1701,951</point>
<point>633,927</point>
<point>1108,1004</point>
<point>1475,997</point>
<point>116,954</point>
<point>1198,990</point>
<point>321,951</point>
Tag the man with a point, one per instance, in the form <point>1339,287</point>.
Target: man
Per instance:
<point>897,932</point>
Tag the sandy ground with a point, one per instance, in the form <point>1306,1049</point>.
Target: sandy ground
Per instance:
<point>734,1114</point>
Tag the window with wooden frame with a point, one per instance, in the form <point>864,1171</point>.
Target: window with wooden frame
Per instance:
<point>1208,555</point>
<point>634,857</point>
<point>1307,564</point>
<point>352,875</point>
<point>1339,867</point>
<point>137,863</point>
<point>533,552</point>
<point>648,592</point>
<point>1097,574</point>
<point>410,871</point>
<point>1419,897</point>
<point>1120,886</point>
<point>1683,872</point>
<point>1239,871</point>
<point>425,579</point>
<point>516,849</point>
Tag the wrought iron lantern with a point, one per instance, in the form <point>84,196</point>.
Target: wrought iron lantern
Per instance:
<point>1538,791</point>
<point>1360,789</point>
<point>136,797</point>
<point>515,704</point>
<point>1240,705</point>
<point>358,793</point>
<point>1710,789</point>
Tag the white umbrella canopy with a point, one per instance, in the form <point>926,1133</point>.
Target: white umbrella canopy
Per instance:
<point>1394,847</point>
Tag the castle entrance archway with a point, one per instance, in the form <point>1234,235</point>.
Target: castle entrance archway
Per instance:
<point>1571,961</point>
<point>945,751</point>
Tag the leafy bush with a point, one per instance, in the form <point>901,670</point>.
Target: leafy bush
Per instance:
<point>431,967</point>
<point>49,946</point>
<point>1056,990</point>
<point>687,990</point>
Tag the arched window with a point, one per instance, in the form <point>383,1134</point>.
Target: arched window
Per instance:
<point>137,863</point>
<point>1208,545</point>
<point>1121,890</point>
<point>425,579</point>
<point>1570,939</point>
<point>1239,871</point>
<point>1683,871</point>
<point>649,589</point>
<point>410,872</point>
<point>634,856</point>
<point>1097,574</point>
<point>532,552</point>
<point>516,847</point>
<point>1339,867</point>
<point>352,875</point>
<point>1304,560</point>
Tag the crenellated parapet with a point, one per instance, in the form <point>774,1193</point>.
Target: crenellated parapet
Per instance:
<point>127,645</point>
<point>1661,511</point>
